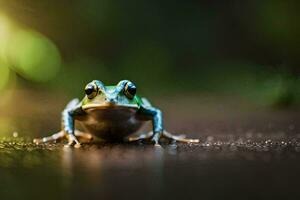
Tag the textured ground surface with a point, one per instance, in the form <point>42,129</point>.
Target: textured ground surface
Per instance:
<point>244,153</point>
<point>236,168</point>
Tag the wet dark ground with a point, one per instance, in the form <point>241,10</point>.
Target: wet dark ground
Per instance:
<point>243,154</point>
<point>217,168</point>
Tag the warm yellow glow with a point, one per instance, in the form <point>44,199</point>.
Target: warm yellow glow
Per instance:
<point>33,55</point>
<point>5,34</point>
<point>4,26</point>
<point>27,52</point>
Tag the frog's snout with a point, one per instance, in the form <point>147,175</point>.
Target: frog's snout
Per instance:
<point>111,100</point>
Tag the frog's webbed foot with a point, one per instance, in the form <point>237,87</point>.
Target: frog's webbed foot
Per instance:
<point>62,135</point>
<point>165,137</point>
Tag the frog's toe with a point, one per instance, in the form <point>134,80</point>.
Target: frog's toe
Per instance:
<point>151,141</point>
<point>155,139</point>
<point>72,143</point>
<point>72,140</point>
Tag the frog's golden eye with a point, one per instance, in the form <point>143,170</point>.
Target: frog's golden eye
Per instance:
<point>130,90</point>
<point>91,90</point>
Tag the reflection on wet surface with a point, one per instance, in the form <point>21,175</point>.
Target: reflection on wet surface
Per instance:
<point>250,167</point>
<point>243,154</point>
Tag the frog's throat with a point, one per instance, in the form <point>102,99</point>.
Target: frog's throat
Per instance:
<point>108,106</point>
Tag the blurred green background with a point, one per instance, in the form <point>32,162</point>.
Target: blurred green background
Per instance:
<point>233,51</point>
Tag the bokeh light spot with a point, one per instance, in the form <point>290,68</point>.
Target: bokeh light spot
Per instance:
<point>33,56</point>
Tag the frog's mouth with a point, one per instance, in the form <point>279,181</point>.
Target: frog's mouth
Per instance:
<point>108,106</point>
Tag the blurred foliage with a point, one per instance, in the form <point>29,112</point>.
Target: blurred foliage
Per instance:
<point>33,56</point>
<point>238,49</point>
<point>26,52</point>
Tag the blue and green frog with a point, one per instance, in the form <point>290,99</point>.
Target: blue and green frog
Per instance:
<point>112,113</point>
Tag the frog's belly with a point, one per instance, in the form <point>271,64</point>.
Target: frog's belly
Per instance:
<point>111,124</point>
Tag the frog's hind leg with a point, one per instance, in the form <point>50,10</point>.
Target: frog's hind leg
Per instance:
<point>141,137</point>
<point>52,138</point>
<point>83,135</point>
<point>62,135</point>
<point>178,138</point>
<point>72,110</point>
<point>165,136</point>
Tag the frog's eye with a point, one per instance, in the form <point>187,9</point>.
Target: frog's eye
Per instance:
<point>130,90</point>
<point>91,90</point>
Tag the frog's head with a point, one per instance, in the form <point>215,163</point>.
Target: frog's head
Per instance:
<point>99,96</point>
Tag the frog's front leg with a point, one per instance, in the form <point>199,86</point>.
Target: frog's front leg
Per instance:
<point>68,121</point>
<point>72,110</point>
<point>157,123</point>
<point>62,135</point>
<point>158,130</point>
<point>54,137</point>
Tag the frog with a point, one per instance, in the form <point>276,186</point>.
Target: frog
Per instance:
<point>112,113</point>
